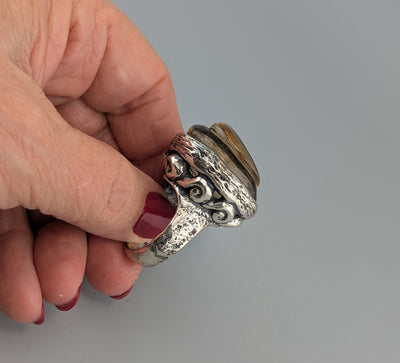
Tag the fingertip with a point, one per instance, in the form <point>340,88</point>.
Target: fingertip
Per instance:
<point>70,304</point>
<point>108,269</point>
<point>60,258</point>
<point>42,317</point>
<point>123,295</point>
<point>20,293</point>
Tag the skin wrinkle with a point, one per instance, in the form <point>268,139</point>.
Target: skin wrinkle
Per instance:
<point>82,117</point>
<point>81,183</point>
<point>140,106</point>
<point>50,53</point>
<point>10,10</point>
<point>148,97</point>
<point>76,76</point>
<point>120,73</point>
<point>84,183</point>
<point>85,187</point>
<point>105,94</point>
<point>104,134</point>
<point>36,149</point>
<point>23,145</point>
<point>116,200</point>
<point>48,49</point>
<point>37,66</point>
<point>74,48</point>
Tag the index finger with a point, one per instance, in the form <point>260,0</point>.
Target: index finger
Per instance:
<point>134,88</point>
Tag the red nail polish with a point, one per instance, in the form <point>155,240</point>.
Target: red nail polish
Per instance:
<point>125,294</point>
<point>40,321</point>
<point>72,303</point>
<point>155,217</point>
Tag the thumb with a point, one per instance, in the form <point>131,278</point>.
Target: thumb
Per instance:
<point>50,166</point>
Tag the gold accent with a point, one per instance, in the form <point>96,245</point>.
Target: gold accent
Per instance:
<point>226,144</point>
<point>231,139</point>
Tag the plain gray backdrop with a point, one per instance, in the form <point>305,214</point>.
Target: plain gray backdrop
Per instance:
<point>313,89</point>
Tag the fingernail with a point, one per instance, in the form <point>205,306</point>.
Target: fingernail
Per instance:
<point>40,321</point>
<point>72,303</point>
<point>125,294</point>
<point>155,217</point>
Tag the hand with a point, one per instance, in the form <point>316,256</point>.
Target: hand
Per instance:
<point>82,93</point>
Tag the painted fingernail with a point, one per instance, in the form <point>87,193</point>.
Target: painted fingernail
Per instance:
<point>72,303</point>
<point>40,321</point>
<point>155,217</point>
<point>125,294</point>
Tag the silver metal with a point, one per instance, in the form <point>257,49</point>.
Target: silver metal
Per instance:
<point>204,191</point>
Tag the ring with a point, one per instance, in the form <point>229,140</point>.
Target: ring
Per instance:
<point>211,180</point>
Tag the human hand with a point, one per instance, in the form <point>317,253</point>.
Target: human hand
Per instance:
<point>82,92</point>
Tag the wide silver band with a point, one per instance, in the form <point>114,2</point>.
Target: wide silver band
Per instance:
<point>204,192</point>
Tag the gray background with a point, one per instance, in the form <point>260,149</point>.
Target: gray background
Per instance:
<point>313,88</point>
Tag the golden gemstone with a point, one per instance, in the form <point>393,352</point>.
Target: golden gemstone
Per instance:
<point>224,141</point>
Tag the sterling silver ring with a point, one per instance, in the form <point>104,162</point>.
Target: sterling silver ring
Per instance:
<point>211,180</point>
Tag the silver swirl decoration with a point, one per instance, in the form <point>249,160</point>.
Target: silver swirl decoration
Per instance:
<point>200,189</point>
<point>224,212</point>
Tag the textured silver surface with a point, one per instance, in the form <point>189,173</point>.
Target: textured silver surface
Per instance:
<point>205,193</point>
